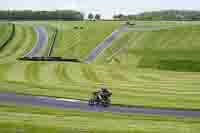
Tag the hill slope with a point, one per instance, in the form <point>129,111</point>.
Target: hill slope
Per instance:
<point>176,48</point>
<point>130,82</point>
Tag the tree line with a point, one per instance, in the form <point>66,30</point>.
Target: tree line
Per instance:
<point>165,15</point>
<point>41,15</point>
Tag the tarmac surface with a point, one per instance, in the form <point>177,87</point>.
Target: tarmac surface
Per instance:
<point>42,39</point>
<point>70,104</point>
<point>104,44</point>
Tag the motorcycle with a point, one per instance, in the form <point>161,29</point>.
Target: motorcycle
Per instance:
<point>97,100</point>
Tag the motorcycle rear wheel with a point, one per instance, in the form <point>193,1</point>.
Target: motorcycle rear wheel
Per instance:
<point>91,102</point>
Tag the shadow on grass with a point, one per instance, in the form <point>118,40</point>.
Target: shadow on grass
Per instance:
<point>174,65</point>
<point>50,59</point>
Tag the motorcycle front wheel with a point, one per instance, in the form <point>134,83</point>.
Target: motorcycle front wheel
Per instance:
<point>107,103</point>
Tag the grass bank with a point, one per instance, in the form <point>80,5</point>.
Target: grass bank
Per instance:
<point>33,120</point>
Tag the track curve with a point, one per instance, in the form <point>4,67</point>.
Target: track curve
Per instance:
<point>105,44</point>
<point>70,104</point>
<point>42,39</point>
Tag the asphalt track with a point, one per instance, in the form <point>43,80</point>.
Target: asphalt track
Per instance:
<point>104,44</point>
<point>42,39</point>
<point>70,104</point>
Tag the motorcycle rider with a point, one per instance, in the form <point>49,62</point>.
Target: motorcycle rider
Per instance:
<point>102,94</point>
<point>101,97</point>
<point>97,95</point>
<point>105,93</point>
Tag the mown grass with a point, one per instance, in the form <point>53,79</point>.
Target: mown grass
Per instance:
<point>131,84</point>
<point>142,87</point>
<point>21,43</point>
<point>78,43</point>
<point>37,120</point>
<point>167,49</point>
<point>5,33</point>
<point>132,74</point>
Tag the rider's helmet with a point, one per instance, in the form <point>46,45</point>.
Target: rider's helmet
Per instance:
<point>104,90</point>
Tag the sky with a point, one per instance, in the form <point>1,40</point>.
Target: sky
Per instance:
<point>107,8</point>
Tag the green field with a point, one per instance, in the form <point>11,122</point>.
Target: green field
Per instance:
<point>6,32</point>
<point>35,120</point>
<point>131,83</point>
<point>155,65</point>
<point>173,49</point>
<point>21,43</point>
<point>77,43</point>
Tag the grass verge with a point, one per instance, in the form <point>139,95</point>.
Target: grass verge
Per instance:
<point>25,119</point>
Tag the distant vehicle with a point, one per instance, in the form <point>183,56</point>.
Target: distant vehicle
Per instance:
<point>78,27</point>
<point>101,98</point>
<point>130,23</point>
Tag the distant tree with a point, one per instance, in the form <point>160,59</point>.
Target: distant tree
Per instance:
<point>115,17</point>
<point>120,17</point>
<point>163,15</point>
<point>170,15</point>
<point>41,15</point>
<point>90,16</point>
<point>97,16</point>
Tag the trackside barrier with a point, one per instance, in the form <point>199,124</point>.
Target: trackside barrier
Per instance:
<point>56,59</point>
<point>53,42</point>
